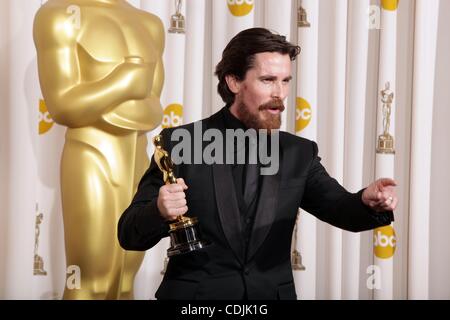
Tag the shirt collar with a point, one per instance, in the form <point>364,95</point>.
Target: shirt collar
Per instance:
<point>231,122</point>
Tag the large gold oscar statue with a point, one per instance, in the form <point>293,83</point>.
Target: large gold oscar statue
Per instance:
<point>101,75</point>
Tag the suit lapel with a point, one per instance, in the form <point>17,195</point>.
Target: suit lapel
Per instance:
<point>227,206</point>
<point>225,192</point>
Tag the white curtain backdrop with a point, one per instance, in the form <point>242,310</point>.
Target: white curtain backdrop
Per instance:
<point>351,49</point>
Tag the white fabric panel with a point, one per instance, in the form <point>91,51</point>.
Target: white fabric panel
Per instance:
<point>174,66</point>
<point>278,19</point>
<point>238,23</point>
<point>194,68</point>
<point>427,13</point>
<point>49,147</point>
<point>219,40</point>
<point>307,89</point>
<point>225,26</point>
<point>5,141</point>
<point>384,166</point>
<point>403,101</point>
<point>354,134</point>
<point>332,71</point>
<point>159,8</point>
<point>439,282</point>
<point>19,282</point>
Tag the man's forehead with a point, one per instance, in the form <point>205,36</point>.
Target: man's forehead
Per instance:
<point>269,60</point>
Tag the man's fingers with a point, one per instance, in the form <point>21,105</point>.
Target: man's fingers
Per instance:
<point>385,182</point>
<point>175,212</point>
<point>175,204</point>
<point>379,197</point>
<point>394,204</point>
<point>389,205</point>
<point>372,204</point>
<point>173,188</point>
<point>384,196</point>
<point>173,196</point>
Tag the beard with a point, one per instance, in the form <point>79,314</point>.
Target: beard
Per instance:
<point>256,120</point>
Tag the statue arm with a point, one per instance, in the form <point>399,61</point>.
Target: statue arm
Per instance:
<point>156,29</point>
<point>70,100</point>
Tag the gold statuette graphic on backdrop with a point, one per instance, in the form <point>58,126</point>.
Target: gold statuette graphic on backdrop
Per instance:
<point>385,140</point>
<point>38,265</point>
<point>302,17</point>
<point>177,21</point>
<point>296,257</point>
<point>184,233</point>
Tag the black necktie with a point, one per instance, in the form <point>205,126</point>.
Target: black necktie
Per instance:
<point>251,184</point>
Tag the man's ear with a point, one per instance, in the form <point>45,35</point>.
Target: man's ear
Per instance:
<point>233,84</point>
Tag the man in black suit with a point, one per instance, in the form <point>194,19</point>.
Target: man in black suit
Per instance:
<point>248,217</point>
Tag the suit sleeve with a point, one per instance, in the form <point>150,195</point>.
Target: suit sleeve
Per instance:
<point>141,226</point>
<point>326,199</point>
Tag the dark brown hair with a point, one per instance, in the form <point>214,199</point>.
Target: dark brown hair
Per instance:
<point>239,55</point>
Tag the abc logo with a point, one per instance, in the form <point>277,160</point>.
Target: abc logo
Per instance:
<point>390,5</point>
<point>240,8</point>
<point>173,116</point>
<point>384,242</point>
<point>303,114</point>
<point>45,120</point>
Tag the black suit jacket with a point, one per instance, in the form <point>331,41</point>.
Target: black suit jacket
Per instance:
<point>221,271</point>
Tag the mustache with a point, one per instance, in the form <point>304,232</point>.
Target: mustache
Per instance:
<point>273,104</point>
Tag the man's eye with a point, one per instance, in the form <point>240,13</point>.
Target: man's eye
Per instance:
<point>267,80</point>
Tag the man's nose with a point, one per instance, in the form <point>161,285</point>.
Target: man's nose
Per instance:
<point>277,90</point>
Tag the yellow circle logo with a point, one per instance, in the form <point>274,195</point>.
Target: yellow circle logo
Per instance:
<point>390,5</point>
<point>303,114</point>
<point>45,120</point>
<point>384,242</point>
<point>240,8</point>
<point>173,116</point>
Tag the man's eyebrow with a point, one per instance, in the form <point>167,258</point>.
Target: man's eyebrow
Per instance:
<point>269,77</point>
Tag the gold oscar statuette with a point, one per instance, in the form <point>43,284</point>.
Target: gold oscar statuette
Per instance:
<point>184,233</point>
<point>385,140</point>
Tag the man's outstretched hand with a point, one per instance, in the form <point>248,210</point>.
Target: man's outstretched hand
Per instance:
<point>380,195</point>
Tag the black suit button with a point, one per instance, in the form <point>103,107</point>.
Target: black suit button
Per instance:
<point>246,271</point>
